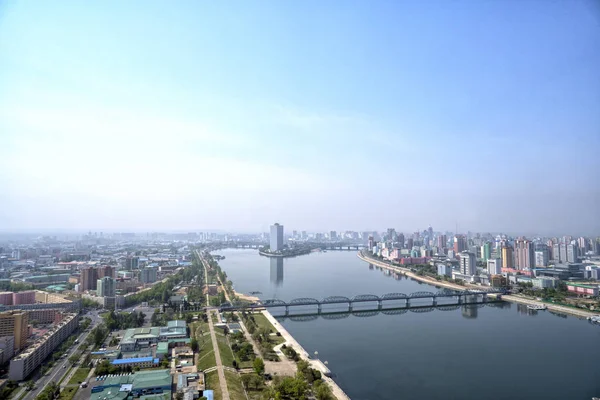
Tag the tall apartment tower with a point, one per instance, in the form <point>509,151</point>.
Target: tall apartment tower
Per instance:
<point>442,242</point>
<point>572,253</point>
<point>460,243</point>
<point>507,257</point>
<point>15,323</point>
<point>106,270</point>
<point>525,254</point>
<point>468,263</point>
<point>276,239</point>
<point>89,279</point>
<point>106,287</point>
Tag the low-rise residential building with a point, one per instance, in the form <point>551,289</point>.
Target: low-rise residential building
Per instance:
<point>23,364</point>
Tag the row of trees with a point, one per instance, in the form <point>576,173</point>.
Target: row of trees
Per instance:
<point>260,335</point>
<point>124,320</point>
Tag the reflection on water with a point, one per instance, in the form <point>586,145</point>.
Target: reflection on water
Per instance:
<point>469,311</point>
<point>276,270</point>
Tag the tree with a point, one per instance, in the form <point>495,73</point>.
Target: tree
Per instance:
<point>74,358</point>
<point>322,391</point>
<point>194,344</point>
<point>246,380</point>
<point>259,366</point>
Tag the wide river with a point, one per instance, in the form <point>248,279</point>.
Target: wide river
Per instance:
<point>501,352</point>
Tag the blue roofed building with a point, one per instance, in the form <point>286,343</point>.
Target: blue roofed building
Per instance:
<point>141,362</point>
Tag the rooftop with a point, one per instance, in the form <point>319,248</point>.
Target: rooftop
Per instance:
<point>134,360</point>
<point>120,387</point>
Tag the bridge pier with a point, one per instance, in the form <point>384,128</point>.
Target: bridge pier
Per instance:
<point>460,299</point>
<point>407,303</point>
<point>434,301</point>
<point>349,307</point>
<point>319,308</point>
<point>287,310</point>
<point>485,298</point>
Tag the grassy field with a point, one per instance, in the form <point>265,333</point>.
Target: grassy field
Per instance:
<point>234,385</point>
<point>206,355</point>
<point>68,393</point>
<point>79,376</point>
<point>263,322</point>
<point>225,351</point>
<point>212,383</point>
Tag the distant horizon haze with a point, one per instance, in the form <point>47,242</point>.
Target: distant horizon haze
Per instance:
<point>319,115</point>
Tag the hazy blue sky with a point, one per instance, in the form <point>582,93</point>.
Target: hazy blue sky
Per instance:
<point>318,114</point>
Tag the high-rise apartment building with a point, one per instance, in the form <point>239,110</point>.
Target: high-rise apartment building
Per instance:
<point>106,287</point>
<point>89,279</point>
<point>494,266</point>
<point>106,270</point>
<point>332,235</point>
<point>572,253</point>
<point>409,243</point>
<point>486,251</point>
<point>400,240</point>
<point>276,237</point>
<point>442,242</point>
<point>562,249</point>
<point>460,243</point>
<point>468,263</point>
<point>524,254</point>
<point>148,275</point>
<point>132,262</point>
<point>541,259</point>
<point>6,298</point>
<point>370,243</point>
<point>26,297</point>
<point>507,257</point>
<point>14,323</point>
<point>391,234</point>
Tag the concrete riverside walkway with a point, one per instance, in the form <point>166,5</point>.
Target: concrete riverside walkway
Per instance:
<point>315,364</point>
<point>511,298</point>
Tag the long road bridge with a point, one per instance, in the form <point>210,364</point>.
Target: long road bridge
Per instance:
<point>459,295</point>
<point>364,313</point>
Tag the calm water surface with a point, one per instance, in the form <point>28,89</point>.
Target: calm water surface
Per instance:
<point>469,353</point>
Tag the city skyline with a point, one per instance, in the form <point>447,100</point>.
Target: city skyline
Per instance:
<point>139,116</point>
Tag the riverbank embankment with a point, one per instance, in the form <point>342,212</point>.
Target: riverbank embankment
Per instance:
<point>511,298</point>
<point>314,363</point>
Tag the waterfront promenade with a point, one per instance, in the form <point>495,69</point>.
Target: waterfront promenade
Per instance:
<point>511,298</point>
<point>316,364</point>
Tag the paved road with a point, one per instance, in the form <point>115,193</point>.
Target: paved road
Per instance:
<point>213,336</point>
<point>62,366</point>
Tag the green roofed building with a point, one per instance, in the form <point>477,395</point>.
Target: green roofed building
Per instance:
<point>162,350</point>
<point>143,385</point>
<point>138,338</point>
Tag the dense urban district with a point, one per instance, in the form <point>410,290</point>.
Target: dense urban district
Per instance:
<point>153,316</point>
